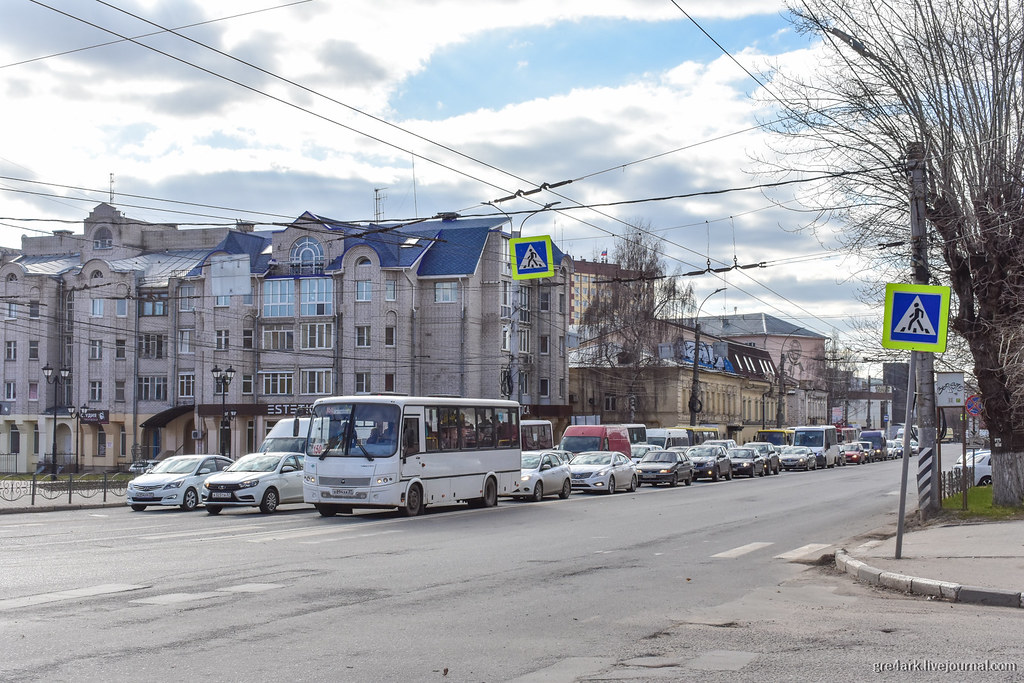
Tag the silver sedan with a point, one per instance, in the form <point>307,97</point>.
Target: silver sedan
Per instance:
<point>605,471</point>
<point>544,473</point>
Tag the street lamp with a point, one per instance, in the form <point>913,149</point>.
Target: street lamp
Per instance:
<point>696,405</point>
<point>62,376</point>
<point>223,379</point>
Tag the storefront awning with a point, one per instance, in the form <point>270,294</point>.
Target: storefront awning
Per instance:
<point>162,418</point>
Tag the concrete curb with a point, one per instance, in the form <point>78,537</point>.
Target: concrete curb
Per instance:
<point>944,590</point>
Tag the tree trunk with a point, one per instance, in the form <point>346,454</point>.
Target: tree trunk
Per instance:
<point>1007,475</point>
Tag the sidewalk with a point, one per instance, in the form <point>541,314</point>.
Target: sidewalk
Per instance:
<point>981,563</point>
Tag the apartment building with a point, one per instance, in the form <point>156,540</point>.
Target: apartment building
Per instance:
<point>158,339</point>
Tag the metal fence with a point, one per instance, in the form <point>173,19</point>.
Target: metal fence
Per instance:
<point>952,482</point>
<point>21,490</point>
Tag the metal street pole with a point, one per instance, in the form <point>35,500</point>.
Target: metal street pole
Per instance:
<point>223,381</point>
<point>56,379</point>
<point>696,405</point>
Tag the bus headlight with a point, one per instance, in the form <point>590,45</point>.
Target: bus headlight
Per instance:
<point>309,479</point>
<point>385,479</point>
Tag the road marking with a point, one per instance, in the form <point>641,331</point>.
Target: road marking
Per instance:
<point>802,550</point>
<point>251,588</point>
<point>175,598</point>
<point>366,535</point>
<point>743,550</point>
<point>87,592</point>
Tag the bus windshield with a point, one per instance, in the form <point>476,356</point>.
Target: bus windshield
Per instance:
<point>363,430</point>
<point>811,439</point>
<point>774,437</point>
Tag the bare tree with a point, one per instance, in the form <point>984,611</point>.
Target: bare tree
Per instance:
<point>949,74</point>
<point>622,324</point>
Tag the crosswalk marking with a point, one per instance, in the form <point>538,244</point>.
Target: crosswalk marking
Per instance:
<point>802,550</point>
<point>743,550</point>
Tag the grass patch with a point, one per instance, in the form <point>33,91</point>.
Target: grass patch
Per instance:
<point>979,506</point>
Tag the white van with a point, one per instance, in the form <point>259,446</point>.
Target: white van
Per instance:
<point>283,437</point>
<point>669,437</point>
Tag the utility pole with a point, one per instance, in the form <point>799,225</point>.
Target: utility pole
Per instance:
<point>781,408</point>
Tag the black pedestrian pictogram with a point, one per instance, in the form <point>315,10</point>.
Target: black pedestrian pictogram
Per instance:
<point>915,320</point>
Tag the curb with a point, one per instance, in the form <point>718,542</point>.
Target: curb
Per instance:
<point>944,590</point>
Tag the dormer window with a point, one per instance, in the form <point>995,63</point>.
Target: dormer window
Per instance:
<point>363,261</point>
<point>102,239</point>
<point>96,275</point>
<point>307,256</point>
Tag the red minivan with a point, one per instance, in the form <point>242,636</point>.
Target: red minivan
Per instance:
<point>579,438</point>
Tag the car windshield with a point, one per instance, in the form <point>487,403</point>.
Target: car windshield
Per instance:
<point>255,462</point>
<point>742,453</point>
<point>175,466</point>
<point>660,456</point>
<point>531,461</point>
<point>795,450</point>
<point>578,444</point>
<point>592,459</point>
<point>702,452</point>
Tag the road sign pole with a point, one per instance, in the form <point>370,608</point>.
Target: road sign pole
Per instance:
<point>908,421</point>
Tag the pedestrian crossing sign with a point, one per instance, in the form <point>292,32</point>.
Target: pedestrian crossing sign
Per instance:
<point>532,257</point>
<point>916,317</point>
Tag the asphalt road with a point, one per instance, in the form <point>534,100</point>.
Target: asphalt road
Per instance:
<point>710,582</point>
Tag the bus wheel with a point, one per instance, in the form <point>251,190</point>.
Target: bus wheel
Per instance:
<point>326,510</point>
<point>490,498</point>
<point>413,501</point>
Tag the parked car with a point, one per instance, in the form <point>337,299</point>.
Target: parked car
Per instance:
<point>665,467</point>
<point>748,461</point>
<point>140,466</point>
<point>981,463</point>
<point>606,471</point>
<point>798,458</point>
<point>772,462</point>
<point>544,473</point>
<point>710,461</point>
<point>263,480</point>
<point>854,453</point>
<point>176,480</point>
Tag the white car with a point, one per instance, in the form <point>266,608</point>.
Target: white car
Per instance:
<point>174,481</point>
<point>981,462</point>
<point>607,471</point>
<point>544,473</point>
<point>265,480</point>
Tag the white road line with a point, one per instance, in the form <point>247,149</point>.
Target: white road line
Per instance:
<point>801,551</point>
<point>87,592</point>
<point>250,588</point>
<point>174,598</point>
<point>743,550</point>
<point>366,535</point>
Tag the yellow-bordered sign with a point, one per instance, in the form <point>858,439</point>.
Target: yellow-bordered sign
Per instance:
<point>532,257</point>
<point>916,317</point>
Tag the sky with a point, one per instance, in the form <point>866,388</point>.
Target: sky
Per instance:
<point>398,110</point>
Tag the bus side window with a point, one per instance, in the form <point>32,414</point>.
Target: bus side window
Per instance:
<point>410,436</point>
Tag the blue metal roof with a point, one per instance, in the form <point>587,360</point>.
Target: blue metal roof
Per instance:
<point>235,242</point>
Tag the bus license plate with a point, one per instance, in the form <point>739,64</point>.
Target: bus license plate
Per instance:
<point>341,492</point>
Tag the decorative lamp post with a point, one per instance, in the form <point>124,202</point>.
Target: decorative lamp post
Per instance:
<point>696,405</point>
<point>223,379</point>
<point>62,376</point>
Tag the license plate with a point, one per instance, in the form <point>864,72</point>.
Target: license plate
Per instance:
<point>220,494</point>
<point>144,496</point>
<point>341,492</point>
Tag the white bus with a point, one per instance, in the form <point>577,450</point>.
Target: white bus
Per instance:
<point>410,452</point>
<point>538,435</point>
<point>822,439</point>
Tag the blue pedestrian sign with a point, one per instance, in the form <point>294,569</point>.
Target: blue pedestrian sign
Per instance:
<point>532,257</point>
<point>916,317</point>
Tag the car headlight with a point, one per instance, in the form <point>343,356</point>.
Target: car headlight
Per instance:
<point>525,477</point>
<point>665,471</point>
<point>174,484</point>
<point>601,473</point>
<point>248,483</point>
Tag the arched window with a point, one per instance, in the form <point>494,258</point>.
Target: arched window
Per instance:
<point>102,239</point>
<point>11,277</point>
<point>363,261</point>
<point>307,255</point>
<point>96,274</point>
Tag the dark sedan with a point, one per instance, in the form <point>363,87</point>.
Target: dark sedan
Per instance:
<point>710,461</point>
<point>665,467</point>
<point>748,461</point>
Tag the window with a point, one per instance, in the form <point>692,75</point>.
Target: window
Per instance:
<point>33,349</point>
<point>506,300</point>
<point>248,335</point>
<point>561,388</point>
<point>389,381</point>
<point>96,390</point>
<point>120,349</point>
<point>561,302</point>
<point>545,345</point>
<point>151,388</point>
<point>222,301</point>
<point>123,442</point>
<point>121,308</point>
<point>10,391</point>
<point>362,382</point>
<point>101,239</point>
<point>33,309</point>
<point>278,337</point>
<point>446,292</point>
<point>609,402</point>
<point>248,385</point>
<point>561,345</point>
<point>363,336</point>
<point>278,298</point>
<point>33,391</point>
<point>119,390</point>
<point>364,261</point>
<point>390,290</point>
<point>316,335</point>
<point>315,382</point>
<point>223,339</point>
<point>185,341</point>
<point>277,383</point>
<point>524,304</point>
<point>153,304</point>
<point>101,442</point>
<point>11,350</point>
<point>95,349</point>
<point>307,255</point>
<point>12,310</point>
<point>152,346</point>
<point>506,338</point>
<point>543,387</point>
<point>187,298</point>
<point>524,341</point>
<point>544,299</point>
<point>187,385</point>
<point>316,297</point>
<point>364,290</point>
<point>389,335</point>
<point>96,310</point>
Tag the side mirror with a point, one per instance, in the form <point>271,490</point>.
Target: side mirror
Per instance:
<point>288,468</point>
<point>205,470</point>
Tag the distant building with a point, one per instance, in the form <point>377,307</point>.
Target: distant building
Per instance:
<point>591,280</point>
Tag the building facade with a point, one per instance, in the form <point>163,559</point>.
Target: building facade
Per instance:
<point>161,340</point>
